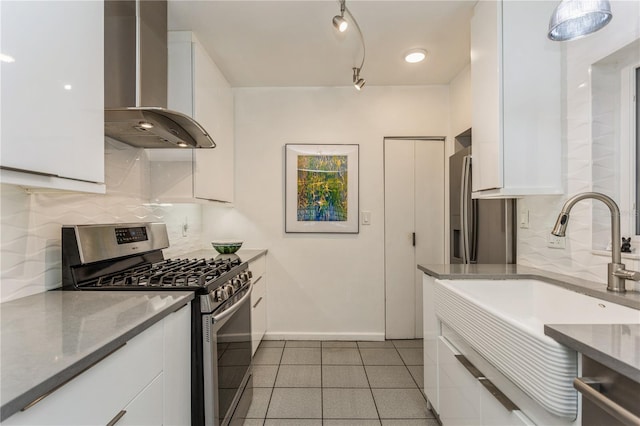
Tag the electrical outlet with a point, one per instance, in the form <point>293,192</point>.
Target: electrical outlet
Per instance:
<point>556,242</point>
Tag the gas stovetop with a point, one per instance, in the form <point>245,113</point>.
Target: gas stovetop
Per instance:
<point>178,274</point>
<point>129,257</point>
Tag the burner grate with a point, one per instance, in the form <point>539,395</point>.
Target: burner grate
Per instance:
<point>170,273</point>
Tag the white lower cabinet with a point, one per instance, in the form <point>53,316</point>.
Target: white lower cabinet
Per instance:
<point>144,410</point>
<point>177,368</point>
<point>466,397</point>
<point>431,331</point>
<point>258,301</point>
<point>130,380</point>
<point>458,389</point>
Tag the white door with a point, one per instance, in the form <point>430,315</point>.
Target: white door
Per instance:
<point>414,228</point>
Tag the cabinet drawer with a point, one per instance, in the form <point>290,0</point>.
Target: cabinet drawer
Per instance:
<point>144,410</point>
<point>100,393</point>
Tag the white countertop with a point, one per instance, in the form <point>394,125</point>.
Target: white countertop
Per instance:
<point>50,337</point>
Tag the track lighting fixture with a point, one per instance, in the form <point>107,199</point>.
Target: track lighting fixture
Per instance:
<point>358,82</point>
<point>574,19</point>
<point>341,24</point>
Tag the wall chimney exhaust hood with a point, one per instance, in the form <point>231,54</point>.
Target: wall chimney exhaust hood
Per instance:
<point>135,62</point>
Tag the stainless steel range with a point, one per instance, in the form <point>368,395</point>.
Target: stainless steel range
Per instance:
<point>129,257</point>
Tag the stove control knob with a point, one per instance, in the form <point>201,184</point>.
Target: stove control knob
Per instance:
<point>229,289</point>
<point>220,295</point>
<point>249,273</point>
<point>237,283</point>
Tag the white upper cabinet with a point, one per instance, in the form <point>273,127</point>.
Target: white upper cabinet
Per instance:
<point>516,104</point>
<point>52,94</point>
<point>196,88</point>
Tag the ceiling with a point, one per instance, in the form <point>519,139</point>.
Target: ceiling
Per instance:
<point>293,43</point>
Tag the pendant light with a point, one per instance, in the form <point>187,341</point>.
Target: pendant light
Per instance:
<point>573,19</point>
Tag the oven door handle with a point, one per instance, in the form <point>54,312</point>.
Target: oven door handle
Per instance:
<point>221,316</point>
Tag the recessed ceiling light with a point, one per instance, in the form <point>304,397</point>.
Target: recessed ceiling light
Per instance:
<point>415,55</point>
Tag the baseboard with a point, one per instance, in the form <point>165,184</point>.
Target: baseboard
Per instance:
<point>323,336</point>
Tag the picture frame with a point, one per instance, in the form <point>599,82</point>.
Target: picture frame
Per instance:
<point>321,188</point>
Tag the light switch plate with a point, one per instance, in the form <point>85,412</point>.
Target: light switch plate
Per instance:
<point>524,219</point>
<point>366,218</point>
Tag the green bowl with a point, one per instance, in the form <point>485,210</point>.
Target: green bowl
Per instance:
<point>226,247</point>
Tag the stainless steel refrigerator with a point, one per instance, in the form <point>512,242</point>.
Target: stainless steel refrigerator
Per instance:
<point>481,231</point>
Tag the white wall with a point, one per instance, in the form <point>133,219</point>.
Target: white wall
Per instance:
<point>30,222</point>
<point>577,259</point>
<point>320,285</point>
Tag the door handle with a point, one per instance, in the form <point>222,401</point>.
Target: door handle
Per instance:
<point>413,238</point>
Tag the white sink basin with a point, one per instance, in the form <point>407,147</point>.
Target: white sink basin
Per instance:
<point>504,321</point>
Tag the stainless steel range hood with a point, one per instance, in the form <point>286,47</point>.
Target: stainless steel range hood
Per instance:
<point>135,63</point>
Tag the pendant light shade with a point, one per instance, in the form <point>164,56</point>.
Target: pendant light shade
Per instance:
<point>573,19</point>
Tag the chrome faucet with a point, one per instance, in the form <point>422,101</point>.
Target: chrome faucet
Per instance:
<point>617,274</point>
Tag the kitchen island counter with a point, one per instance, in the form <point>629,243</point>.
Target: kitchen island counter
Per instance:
<point>49,338</point>
<point>616,346</point>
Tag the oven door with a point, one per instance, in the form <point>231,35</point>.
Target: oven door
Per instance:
<point>227,361</point>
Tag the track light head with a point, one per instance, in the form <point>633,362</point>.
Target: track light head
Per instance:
<point>358,82</point>
<point>340,23</point>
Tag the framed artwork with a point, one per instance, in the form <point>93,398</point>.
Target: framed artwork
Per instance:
<point>321,188</point>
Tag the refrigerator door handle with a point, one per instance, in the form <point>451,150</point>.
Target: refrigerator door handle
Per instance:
<point>464,208</point>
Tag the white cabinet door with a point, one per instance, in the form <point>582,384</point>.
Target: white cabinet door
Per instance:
<point>431,329</point>
<point>516,105</point>
<point>146,407</point>
<point>467,397</point>
<point>196,88</point>
<point>96,396</point>
<point>459,391</point>
<point>258,301</point>
<point>52,94</point>
<point>177,368</point>
<point>495,414</point>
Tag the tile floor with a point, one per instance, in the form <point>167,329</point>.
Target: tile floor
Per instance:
<point>309,383</point>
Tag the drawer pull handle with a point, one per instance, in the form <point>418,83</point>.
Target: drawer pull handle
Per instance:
<point>470,367</point>
<point>585,386</point>
<point>257,303</point>
<point>41,397</point>
<point>493,390</point>
<point>497,394</point>
<point>117,418</point>
<point>257,280</point>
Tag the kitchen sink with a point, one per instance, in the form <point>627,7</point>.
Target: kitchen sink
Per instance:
<point>504,320</point>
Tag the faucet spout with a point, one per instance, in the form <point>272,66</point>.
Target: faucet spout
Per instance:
<point>617,274</point>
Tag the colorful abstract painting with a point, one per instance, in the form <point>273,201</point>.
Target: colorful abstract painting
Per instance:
<point>322,188</point>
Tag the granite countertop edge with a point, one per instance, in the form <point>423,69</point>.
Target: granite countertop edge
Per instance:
<point>110,346</point>
<point>246,254</point>
<point>567,334</point>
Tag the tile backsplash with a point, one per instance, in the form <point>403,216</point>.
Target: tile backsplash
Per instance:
<point>590,154</point>
<point>30,221</point>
